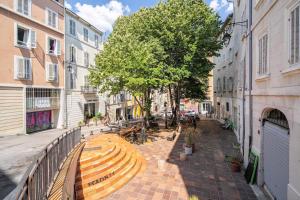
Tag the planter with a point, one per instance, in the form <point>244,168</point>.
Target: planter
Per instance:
<point>182,156</point>
<point>188,150</point>
<point>235,166</point>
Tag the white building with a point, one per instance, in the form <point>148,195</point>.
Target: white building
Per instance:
<point>83,42</point>
<point>268,91</point>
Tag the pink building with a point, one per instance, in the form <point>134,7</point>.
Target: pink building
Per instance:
<point>32,65</point>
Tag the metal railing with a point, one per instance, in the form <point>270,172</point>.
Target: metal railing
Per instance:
<point>88,89</point>
<point>39,177</point>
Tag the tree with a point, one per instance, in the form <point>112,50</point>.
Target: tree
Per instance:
<point>164,46</point>
<point>129,62</point>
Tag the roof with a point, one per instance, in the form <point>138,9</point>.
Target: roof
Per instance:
<point>70,12</point>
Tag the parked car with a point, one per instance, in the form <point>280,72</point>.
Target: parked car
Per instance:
<point>169,114</point>
<point>190,113</point>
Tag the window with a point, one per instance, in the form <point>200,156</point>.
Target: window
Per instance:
<point>86,59</point>
<point>219,87</point>
<point>263,55</point>
<point>227,106</point>
<point>53,46</point>
<point>86,81</point>
<point>96,41</point>
<point>224,83</point>
<point>230,84</point>
<point>72,27</point>
<point>72,54</point>
<point>294,36</point>
<point>25,37</point>
<point>72,80</point>
<point>52,19</point>
<point>52,72</point>
<point>22,68</point>
<point>85,34</point>
<point>24,6</point>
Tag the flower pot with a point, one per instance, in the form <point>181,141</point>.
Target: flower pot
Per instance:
<point>188,150</point>
<point>182,156</point>
<point>235,166</point>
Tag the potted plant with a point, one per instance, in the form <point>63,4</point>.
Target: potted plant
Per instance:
<point>236,164</point>
<point>188,148</point>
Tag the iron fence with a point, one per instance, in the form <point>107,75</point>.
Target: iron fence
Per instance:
<point>39,177</point>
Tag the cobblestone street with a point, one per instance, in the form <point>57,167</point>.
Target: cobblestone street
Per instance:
<point>205,174</point>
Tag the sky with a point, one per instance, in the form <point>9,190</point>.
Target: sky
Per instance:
<point>103,13</point>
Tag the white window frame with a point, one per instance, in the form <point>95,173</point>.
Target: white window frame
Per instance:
<point>31,40</point>
<point>292,8</point>
<point>16,70</point>
<point>70,27</point>
<point>47,18</point>
<point>263,63</point>
<point>96,38</point>
<point>85,39</point>
<point>22,11</point>
<point>86,58</point>
<point>57,50</point>
<point>48,78</point>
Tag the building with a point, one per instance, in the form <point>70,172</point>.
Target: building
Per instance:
<point>225,79</point>
<point>274,95</point>
<point>83,43</point>
<point>206,106</point>
<point>264,41</point>
<point>32,73</point>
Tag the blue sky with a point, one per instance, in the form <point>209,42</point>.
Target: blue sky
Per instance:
<point>103,13</point>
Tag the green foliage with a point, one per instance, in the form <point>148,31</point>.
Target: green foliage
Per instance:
<point>169,44</point>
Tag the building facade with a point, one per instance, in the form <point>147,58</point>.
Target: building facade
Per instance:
<point>266,67</point>
<point>206,106</point>
<point>275,95</point>
<point>83,43</point>
<point>32,73</point>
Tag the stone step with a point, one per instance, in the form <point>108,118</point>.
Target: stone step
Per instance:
<point>104,188</point>
<point>105,170</point>
<point>101,161</point>
<point>95,155</point>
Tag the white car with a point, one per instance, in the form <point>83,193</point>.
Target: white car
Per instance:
<point>190,113</point>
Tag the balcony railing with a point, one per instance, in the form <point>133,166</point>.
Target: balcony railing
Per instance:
<point>88,89</point>
<point>37,103</point>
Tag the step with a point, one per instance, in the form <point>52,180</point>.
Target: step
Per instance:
<point>95,155</point>
<point>100,187</point>
<point>101,161</point>
<point>117,185</point>
<point>100,172</point>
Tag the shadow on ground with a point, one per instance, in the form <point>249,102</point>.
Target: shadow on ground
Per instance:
<point>6,185</point>
<point>206,175</point>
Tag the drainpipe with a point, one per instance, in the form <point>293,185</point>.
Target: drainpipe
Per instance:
<point>250,77</point>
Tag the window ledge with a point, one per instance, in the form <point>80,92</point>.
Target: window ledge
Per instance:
<point>262,77</point>
<point>22,46</point>
<point>291,70</point>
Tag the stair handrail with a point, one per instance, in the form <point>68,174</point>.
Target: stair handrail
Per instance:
<point>38,179</point>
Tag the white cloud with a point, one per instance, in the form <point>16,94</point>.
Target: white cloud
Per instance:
<point>217,5</point>
<point>102,16</point>
<point>67,5</point>
<point>214,4</point>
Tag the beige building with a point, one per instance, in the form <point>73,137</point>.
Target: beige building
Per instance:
<point>206,106</point>
<point>32,65</point>
<point>275,94</point>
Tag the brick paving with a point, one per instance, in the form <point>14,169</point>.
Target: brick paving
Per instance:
<point>205,174</point>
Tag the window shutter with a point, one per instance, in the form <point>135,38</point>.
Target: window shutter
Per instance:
<point>49,18</point>
<point>33,39</point>
<point>51,72</point>
<point>74,54</point>
<point>71,27</point>
<point>26,7</point>
<point>56,72</point>
<point>20,68</point>
<point>20,6</point>
<point>28,69</point>
<point>58,47</point>
<point>54,20</point>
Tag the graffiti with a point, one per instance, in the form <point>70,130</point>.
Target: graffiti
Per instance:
<point>36,121</point>
<point>99,180</point>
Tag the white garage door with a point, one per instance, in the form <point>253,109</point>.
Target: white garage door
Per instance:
<point>276,160</point>
<point>11,111</point>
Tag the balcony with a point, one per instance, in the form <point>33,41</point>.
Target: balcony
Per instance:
<point>88,89</point>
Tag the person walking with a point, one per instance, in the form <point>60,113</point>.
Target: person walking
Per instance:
<point>194,122</point>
